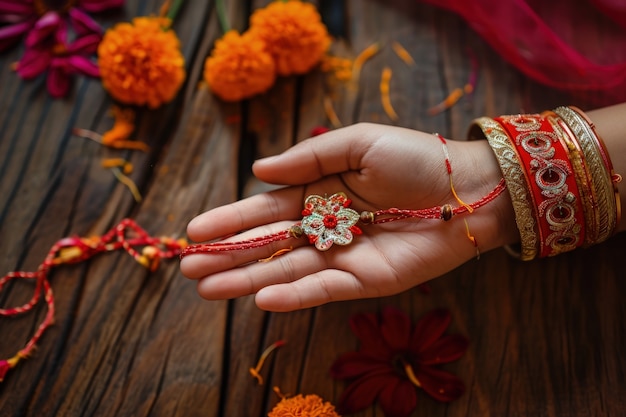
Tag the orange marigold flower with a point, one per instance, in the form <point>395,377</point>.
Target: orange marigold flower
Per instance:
<point>293,33</point>
<point>141,62</point>
<point>239,67</point>
<point>303,406</point>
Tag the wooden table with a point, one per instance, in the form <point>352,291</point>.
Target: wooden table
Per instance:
<point>547,337</point>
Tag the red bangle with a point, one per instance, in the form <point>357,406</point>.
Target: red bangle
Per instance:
<point>552,184</point>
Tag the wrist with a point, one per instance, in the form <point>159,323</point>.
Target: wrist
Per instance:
<point>494,224</point>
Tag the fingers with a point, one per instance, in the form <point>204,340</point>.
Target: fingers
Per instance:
<point>334,152</point>
<point>312,290</point>
<point>245,214</point>
<point>251,278</point>
<point>290,282</point>
<point>199,265</point>
<point>302,278</point>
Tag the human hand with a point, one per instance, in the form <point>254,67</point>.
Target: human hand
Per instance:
<point>378,167</point>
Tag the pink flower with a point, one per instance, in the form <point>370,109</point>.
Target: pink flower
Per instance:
<point>49,50</point>
<point>19,17</point>
<point>393,360</point>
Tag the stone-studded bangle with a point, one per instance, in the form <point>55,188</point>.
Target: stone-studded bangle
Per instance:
<point>516,182</point>
<point>603,178</point>
<point>553,185</point>
<point>582,174</point>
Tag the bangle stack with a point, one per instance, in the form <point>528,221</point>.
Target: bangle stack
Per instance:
<point>559,176</point>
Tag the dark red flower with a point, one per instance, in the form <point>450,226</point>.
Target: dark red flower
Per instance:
<point>394,360</point>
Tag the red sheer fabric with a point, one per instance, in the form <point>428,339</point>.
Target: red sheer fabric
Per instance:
<point>575,45</point>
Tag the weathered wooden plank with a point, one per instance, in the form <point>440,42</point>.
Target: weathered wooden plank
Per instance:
<point>546,337</point>
<point>109,354</point>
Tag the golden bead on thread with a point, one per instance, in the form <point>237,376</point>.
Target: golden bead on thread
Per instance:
<point>446,212</point>
<point>367,217</point>
<point>296,231</point>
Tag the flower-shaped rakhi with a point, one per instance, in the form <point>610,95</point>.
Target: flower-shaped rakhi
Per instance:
<point>329,220</point>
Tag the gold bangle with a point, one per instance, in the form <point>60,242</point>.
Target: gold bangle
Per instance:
<point>516,181</point>
<point>582,175</point>
<point>600,169</point>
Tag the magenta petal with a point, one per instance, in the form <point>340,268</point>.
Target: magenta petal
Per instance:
<point>48,24</point>
<point>85,45</point>
<point>363,392</point>
<point>58,81</point>
<point>33,63</point>
<point>396,328</point>
<point>83,24</point>
<point>398,399</point>
<point>366,328</point>
<point>9,35</point>
<point>429,328</point>
<point>83,66</point>
<point>355,364</point>
<point>446,349</point>
<point>16,7</point>
<point>441,385</point>
<point>95,6</point>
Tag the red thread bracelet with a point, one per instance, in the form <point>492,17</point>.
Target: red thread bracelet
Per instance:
<point>328,221</point>
<point>331,220</point>
<point>75,249</point>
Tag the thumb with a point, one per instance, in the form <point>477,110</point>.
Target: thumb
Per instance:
<point>333,152</point>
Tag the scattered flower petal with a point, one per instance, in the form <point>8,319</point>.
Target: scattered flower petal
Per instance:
<point>319,130</point>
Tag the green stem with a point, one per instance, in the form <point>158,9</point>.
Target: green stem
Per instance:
<point>221,15</point>
<point>174,9</point>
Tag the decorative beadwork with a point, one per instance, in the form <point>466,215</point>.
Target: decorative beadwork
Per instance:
<point>327,221</point>
<point>555,191</point>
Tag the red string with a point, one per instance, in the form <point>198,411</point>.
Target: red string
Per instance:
<point>435,212</point>
<point>239,245</point>
<point>75,249</point>
<point>379,217</point>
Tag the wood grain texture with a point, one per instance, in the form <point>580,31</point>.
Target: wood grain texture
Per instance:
<point>547,337</point>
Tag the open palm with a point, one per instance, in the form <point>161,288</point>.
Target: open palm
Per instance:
<point>377,167</point>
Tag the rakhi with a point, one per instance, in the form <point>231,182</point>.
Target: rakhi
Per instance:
<point>330,220</point>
